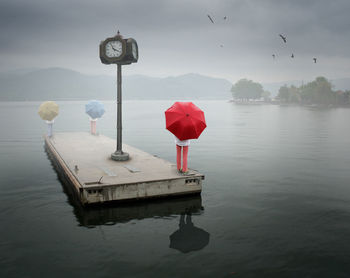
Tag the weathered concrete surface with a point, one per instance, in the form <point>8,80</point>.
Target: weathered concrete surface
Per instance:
<point>86,162</point>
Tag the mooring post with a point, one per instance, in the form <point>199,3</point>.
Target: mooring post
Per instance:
<point>119,155</point>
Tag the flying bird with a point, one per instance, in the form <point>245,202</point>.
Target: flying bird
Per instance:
<point>315,59</point>
<point>212,21</point>
<point>273,56</point>
<point>283,38</point>
<point>292,55</point>
<point>225,17</point>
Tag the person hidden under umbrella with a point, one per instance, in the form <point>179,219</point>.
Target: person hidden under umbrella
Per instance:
<point>95,109</point>
<point>186,121</point>
<point>48,111</point>
<point>188,237</point>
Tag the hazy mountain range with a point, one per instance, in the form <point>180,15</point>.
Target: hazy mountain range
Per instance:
<point>65,84</point>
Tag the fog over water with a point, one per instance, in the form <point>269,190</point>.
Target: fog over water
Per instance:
<point>275,199</point>
<point>276,195</point>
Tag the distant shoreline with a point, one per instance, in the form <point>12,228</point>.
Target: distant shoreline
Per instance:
<point>316,106</point>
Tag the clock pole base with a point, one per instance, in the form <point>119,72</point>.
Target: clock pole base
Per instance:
<point>120,156</point>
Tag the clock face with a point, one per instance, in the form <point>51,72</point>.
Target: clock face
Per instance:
<point>134,50</point>
<point>114,49</point>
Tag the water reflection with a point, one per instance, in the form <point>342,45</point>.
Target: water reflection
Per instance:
<point>188,237</point>
<point>91,217</point>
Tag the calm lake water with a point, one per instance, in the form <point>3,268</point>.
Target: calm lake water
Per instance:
<point>275,201</point>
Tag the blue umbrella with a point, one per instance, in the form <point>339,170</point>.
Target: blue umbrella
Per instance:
<point>95,109</point>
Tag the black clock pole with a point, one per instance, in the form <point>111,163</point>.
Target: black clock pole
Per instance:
<point>119,155</point>
<point>120,51</point>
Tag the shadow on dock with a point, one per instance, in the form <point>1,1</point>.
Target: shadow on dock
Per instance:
<point>112,213</point>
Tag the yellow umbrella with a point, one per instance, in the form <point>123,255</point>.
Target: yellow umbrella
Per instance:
<point>48,110</point>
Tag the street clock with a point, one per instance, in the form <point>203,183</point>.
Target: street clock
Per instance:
<point>117,50</point>
<point>120,51</point>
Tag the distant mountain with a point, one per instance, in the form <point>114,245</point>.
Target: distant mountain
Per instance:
<point>65,84</point>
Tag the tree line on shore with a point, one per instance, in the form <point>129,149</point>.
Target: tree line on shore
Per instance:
<point>317,92</point>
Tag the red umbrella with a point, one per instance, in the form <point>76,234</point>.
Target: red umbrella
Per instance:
<point>185,120</point>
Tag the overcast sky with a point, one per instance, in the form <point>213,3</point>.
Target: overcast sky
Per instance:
<point>176,36</point>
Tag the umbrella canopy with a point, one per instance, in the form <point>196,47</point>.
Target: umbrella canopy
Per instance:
<point>185,120</point>
<point>48,110</point>
<point>95,109</point>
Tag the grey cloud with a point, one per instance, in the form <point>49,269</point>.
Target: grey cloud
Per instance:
<point>171,33</point>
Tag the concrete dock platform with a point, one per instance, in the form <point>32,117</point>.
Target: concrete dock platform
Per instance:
<point>85,161</point>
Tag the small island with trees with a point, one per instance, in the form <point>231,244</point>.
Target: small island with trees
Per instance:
<point>317,93</point>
